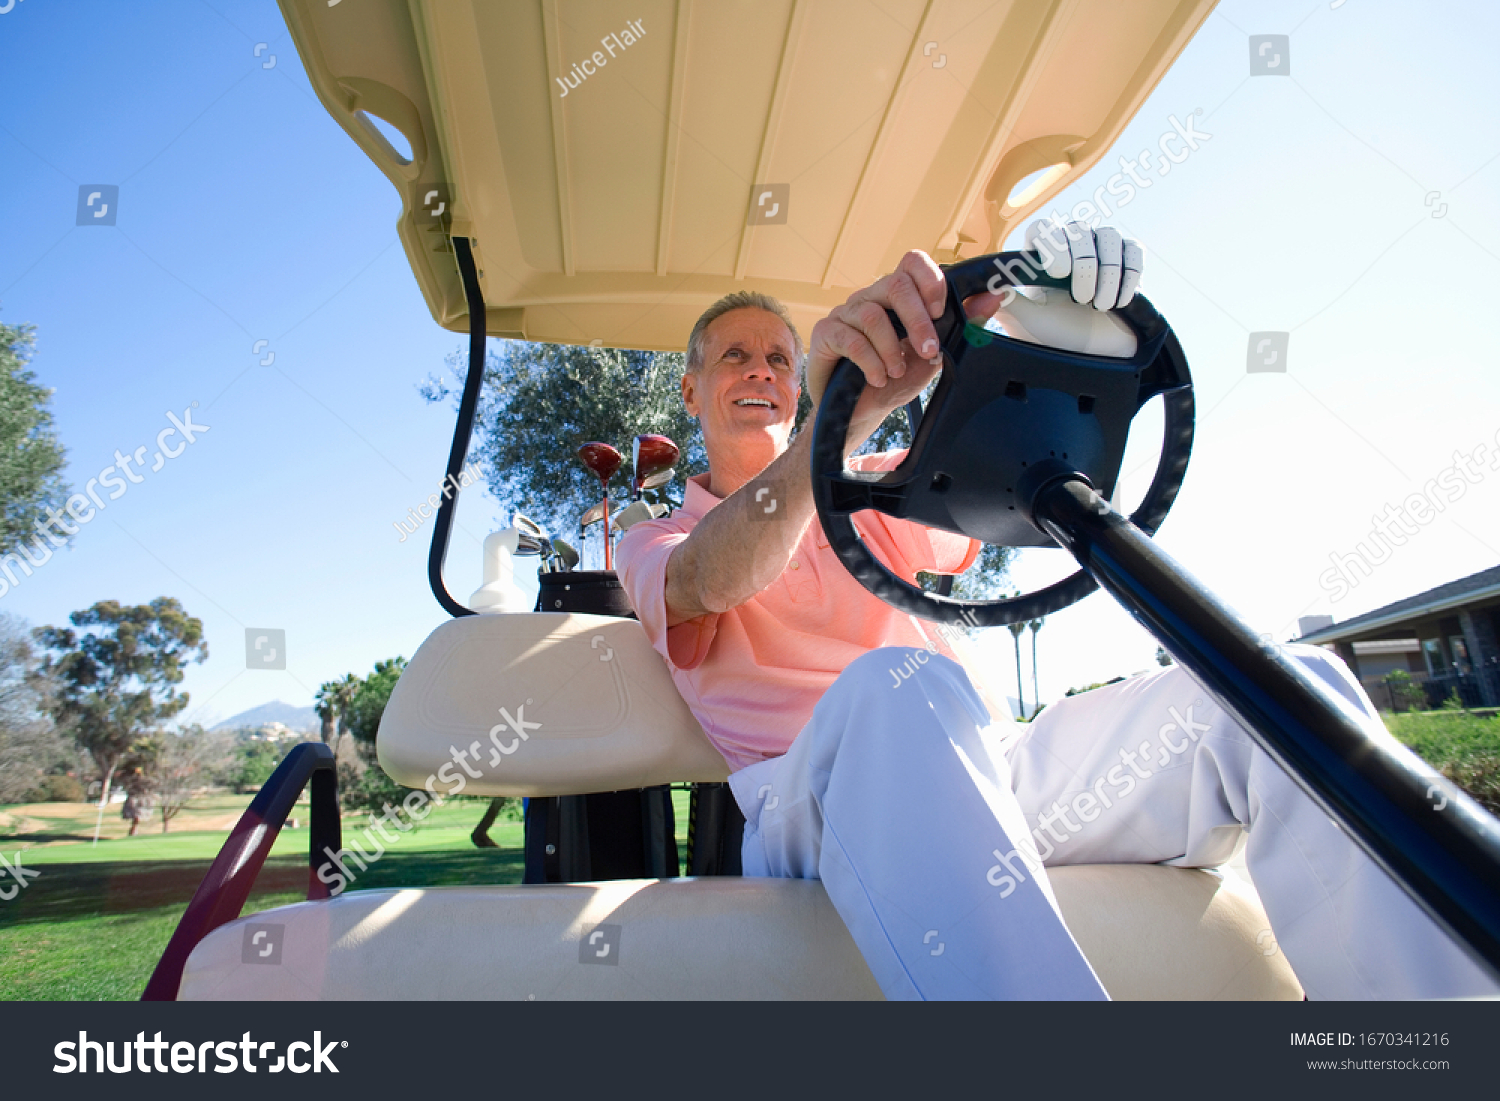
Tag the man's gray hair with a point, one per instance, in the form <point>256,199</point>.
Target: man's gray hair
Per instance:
<point>740,300</point>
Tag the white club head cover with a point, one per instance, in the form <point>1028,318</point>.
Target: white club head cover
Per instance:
<point>1052,318</point>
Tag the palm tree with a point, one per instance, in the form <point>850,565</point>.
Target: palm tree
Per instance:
<point>1036,692</point>
<point>327,709</point>
<point>1015,633</point>
<point>332,704</point>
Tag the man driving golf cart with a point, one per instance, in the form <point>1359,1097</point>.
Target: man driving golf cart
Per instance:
<point>863,756</point>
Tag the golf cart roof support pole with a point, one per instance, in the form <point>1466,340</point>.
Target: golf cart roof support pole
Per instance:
<point>1446,859</point>
<point>222,894</point>
<point>468,408</point>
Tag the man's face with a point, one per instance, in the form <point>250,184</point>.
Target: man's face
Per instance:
<point>745,394</point>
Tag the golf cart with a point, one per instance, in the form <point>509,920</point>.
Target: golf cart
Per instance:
<point>610,201</point>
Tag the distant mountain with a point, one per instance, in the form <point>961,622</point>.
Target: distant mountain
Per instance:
<point>298,718</point>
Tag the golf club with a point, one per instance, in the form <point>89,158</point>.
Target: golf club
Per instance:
<point>650,455</point>
<point>565,553</point>
<point>590,517</point>
<point>529,527</point>
<point>602,461</point>
<point>661,478</point>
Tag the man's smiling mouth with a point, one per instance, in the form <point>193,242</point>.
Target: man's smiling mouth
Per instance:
<point>756,401</point>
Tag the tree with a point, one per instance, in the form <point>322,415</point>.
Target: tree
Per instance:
<point>250,765</point>
<point>31,459</point>
<point>332,704</point>
<point>174,767</point>
<point>327,711</point>
<point>540,402</point>
<point>1015,634</point>
<point>1036,692</point>
<point>36,761</point>
<point>115,683</point>
<point>370,788</point>
<point>500,806</point>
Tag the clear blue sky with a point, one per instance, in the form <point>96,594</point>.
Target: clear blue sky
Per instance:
<point>245,214</point>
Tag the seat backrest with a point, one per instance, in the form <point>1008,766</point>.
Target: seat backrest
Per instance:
<point>538,704</point>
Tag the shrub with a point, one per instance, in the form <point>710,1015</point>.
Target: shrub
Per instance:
<point>59,787</point>
<point>1462,746</point>
<point>1091,687</point>
<point>1405,693</point>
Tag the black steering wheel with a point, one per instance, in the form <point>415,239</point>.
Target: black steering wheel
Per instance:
<point>1007,419</point>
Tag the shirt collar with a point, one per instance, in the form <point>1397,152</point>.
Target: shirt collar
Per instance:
<point>696,499</point>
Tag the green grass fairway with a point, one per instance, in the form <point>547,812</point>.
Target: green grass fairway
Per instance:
<point>447,828</point>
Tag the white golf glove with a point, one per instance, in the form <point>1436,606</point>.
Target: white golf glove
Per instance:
<point>1106,268</point>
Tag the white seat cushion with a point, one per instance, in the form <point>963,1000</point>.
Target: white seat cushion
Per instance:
<point>1150,932</point>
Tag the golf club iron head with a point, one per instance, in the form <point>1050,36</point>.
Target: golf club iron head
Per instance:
<point>566,555</point>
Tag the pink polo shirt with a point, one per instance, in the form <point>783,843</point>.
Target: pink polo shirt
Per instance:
<point>753,674</point>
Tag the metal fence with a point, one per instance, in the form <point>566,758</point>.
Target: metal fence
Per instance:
<point>1480,688</point>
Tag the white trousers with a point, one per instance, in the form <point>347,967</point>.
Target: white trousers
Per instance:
<point>929,825</point>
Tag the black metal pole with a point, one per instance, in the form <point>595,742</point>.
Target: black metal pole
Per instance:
<point>468,406</point>
<point>1436,842</point>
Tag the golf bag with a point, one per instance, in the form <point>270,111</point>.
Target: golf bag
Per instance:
<point>607,834</point>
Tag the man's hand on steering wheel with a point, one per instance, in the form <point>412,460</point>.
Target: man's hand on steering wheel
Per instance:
<point>987,460</point>
<point>896,370</point>
<point>1105,269</point>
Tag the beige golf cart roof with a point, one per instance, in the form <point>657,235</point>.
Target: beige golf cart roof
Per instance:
<point>615,213</point>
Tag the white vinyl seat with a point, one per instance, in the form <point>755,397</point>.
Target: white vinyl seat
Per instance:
<point>601,713</point>
<point>1150,932</point>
